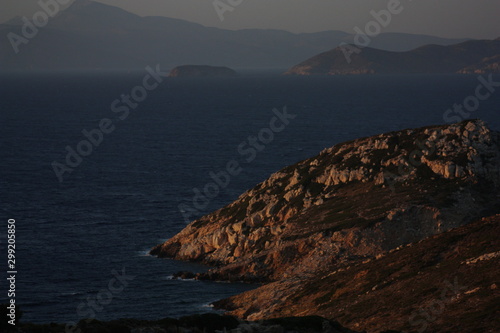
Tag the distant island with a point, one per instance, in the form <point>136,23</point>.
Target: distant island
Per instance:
<point>201,71</point>
<point>471,57</point>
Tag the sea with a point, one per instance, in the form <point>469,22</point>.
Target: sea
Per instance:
<point>84,225</point>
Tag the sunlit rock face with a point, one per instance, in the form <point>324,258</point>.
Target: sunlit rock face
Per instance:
<point>353,201</point>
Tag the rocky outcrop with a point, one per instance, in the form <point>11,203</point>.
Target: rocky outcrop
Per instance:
<point>478,56</point>
<point>353,203</point>
<point>201,71</point>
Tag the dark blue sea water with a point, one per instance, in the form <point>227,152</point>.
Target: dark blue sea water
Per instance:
<point>123,198</point>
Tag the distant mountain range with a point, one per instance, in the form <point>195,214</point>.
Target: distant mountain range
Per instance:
<point>91,35</point>
<point>475,56</point>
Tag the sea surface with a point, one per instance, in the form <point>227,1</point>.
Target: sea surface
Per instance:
<point>73,237</point>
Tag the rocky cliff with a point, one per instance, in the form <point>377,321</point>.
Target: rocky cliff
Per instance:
<point>201,71</point>
<point>478,56</point>
<point>353,203</point>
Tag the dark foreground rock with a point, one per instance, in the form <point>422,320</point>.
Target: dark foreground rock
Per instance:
<point>184,275</point>
<point>205,323</point>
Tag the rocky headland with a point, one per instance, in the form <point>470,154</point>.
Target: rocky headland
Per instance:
<point>366,233</point>
<point>201,71</point>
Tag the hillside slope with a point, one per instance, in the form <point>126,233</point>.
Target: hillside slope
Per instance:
<point>447,283</point>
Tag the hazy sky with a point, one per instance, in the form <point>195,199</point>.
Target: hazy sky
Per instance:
<point>444,18</point>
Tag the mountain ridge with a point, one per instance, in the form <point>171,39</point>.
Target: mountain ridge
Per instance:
<point>91,35</point>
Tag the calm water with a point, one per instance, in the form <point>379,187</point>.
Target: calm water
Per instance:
<point>123,198</point>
